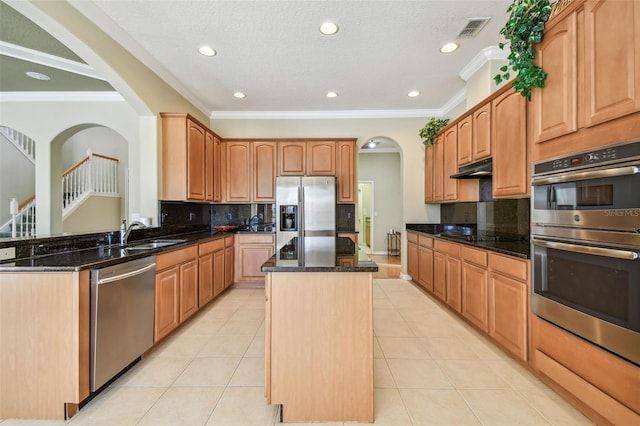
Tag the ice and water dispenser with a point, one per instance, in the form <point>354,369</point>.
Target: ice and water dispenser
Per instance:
<point>289,218</point>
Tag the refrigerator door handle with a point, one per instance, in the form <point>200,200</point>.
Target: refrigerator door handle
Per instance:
<point>300,211</point>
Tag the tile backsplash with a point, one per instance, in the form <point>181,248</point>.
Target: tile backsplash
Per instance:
<point>504,217</point>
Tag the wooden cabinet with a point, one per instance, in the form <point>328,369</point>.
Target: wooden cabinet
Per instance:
<point>353,236</point>
<point>481,140</point>
<point>440,275</point>
<point>454,283</point>
<point>218,166</point>
<point>218,272</point>
<point>509,302</point>
<point>474,287</point>
<point>188,159</point>
<point>511,176</point>
<point>412,255</point>
<point>465,140</point>
<point>612,59</point>
<point>346,174</point>
<point>293,158</point>
<point>450,163</point>
<point>447,267</point>
<point>228,261</point>
<point>205,278</point>
<point>251,251</point>
<point>176,289</point>
<point>425,262</point>
<point>438,168</point>
<point>321,158</point>
<point>591,52</point>
<point>238,171</point>
<point>265,156</point>
<point>428,173</point>
<point>211,270</point>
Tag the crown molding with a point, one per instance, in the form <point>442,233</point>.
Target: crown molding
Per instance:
<point>345,114</point>
<point>491,53</point>
<point>61,97</point>
<point>30,55</point>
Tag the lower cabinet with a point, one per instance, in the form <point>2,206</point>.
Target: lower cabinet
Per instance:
<point>509,302</point>
<point>447,273</point>
<point>440,275</point>
<point>412,255</point>
<point>425,262</point>
<point>212,270</point>
<point>228,261</point>
<point>251,251</point>
<point>176,289</point>
<point>474,287</point>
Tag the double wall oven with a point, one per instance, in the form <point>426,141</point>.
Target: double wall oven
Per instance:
<point>585,234</point>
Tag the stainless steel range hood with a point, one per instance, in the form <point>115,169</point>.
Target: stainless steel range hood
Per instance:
<point>480,169</point>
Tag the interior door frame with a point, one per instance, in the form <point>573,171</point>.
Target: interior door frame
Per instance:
<point>371,210</point>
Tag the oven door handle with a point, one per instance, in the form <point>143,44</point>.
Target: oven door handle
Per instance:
<point>597,251</point>
<point>594,174</point>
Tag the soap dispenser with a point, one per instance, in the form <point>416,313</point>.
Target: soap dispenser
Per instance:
<point>123,231</point>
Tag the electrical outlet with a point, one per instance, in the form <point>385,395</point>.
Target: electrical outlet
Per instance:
<point>7,253</point>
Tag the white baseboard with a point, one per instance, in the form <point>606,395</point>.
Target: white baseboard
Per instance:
<point>405,277</point>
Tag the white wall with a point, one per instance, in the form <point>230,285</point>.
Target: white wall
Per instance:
<point>21,186</point>
<point>385,172</point>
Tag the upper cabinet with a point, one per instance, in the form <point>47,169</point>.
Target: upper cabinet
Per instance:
<point>189,164</point>
<point>346,174</point>
<point>265,156</point>
<point>591,52</point>
<point>510,155</point>
<point>250,172</point>
<point>429,161</point>
<point>438,168</point>
<point>321,158</point>
<point>293,159</point>
<point>474,135</point>
<point>450,163</point>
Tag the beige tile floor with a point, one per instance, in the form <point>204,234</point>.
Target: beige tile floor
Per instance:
<point>431,368</point>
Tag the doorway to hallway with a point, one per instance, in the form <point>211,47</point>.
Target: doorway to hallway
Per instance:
<point>365,216</point>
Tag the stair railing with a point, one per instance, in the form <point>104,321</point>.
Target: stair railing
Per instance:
<point>24,143</point>
<point>25,220</point>
<point>95,173</point>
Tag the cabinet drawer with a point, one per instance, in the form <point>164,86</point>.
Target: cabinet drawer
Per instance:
<point>254,239</point>
<point>211,246</point>
<point>479,257</point>
<point>166,260</point>
<point>452,249</point>
<point>425,241</point>
<point>412,238</point>
<point>516,268</point>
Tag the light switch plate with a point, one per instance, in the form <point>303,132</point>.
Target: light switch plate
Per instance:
<point>7,253</point>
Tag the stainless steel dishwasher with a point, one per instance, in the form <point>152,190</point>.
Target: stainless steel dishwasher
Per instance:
<point>122,314</point>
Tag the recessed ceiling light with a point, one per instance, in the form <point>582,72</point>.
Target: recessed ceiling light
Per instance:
<point>413,94</point>
<point>38,76</point>
<point>332,95</point>
<point>449,47</point>
<point>328,28</point>
<point>372,144</point>
<point>239,95</point>
<point>207,51</point>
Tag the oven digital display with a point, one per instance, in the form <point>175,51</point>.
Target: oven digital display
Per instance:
<point>576,161</point>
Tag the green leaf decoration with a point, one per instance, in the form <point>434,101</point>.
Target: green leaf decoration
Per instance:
<point>431,129</point>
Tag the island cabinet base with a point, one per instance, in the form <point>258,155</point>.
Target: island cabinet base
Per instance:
<point>319,345</point>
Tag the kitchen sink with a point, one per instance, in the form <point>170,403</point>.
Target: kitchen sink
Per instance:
<point>154,244</point>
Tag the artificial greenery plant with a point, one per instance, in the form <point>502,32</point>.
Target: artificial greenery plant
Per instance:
<point>431,129</point>
<point>522,30</point>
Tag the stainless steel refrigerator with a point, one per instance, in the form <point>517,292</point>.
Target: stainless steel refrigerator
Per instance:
<point>305,206</point>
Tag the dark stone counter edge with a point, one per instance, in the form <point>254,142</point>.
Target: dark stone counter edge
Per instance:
<point>521,250</point>
<point>269,266</point>
<point>90,258</point>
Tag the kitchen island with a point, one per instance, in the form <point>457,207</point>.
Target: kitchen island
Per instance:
<point>319,331</point>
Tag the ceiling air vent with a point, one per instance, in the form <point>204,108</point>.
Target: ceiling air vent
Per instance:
<point>473,27</point>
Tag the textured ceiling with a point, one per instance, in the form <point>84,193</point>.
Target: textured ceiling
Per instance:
<point>273,51</point>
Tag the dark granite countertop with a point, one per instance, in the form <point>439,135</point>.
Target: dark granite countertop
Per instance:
<point>517,246</point>
<point>320,254</point>
<point>103,255</point>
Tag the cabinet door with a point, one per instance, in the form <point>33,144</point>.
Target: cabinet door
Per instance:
<point>412,261</point>
<point>321,158</point>
<point>554,108</point>
<point>217,169</point>
<point>238,171</point>
<point>195,161</point>
<point>205,281</point>
<point>425,268</point>
<point>474,295</point>
<point>454,284</point>
<point>438,168</point>
<point>209,148</point>
<point>346,172</point>
<point>228,266</point>
<point>167,303</point>
<point>510,164</point>
<point>188,289</point>
<point>218,272</point>
<point>264,171</point>
<point>612,59</point>
<point>250,259</point>
<point>292,158</point>
<point>508,313</point>
<point>465,140</point>
<point>481,139</point>
<point>428,173</point>
<point>439,275</point>
<point>450,164</point>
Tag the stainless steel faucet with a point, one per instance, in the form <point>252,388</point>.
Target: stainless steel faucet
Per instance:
<point>124,236</point>
<point>258,216</point>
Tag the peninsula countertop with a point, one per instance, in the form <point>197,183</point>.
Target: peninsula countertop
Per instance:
<point>320,254</point>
